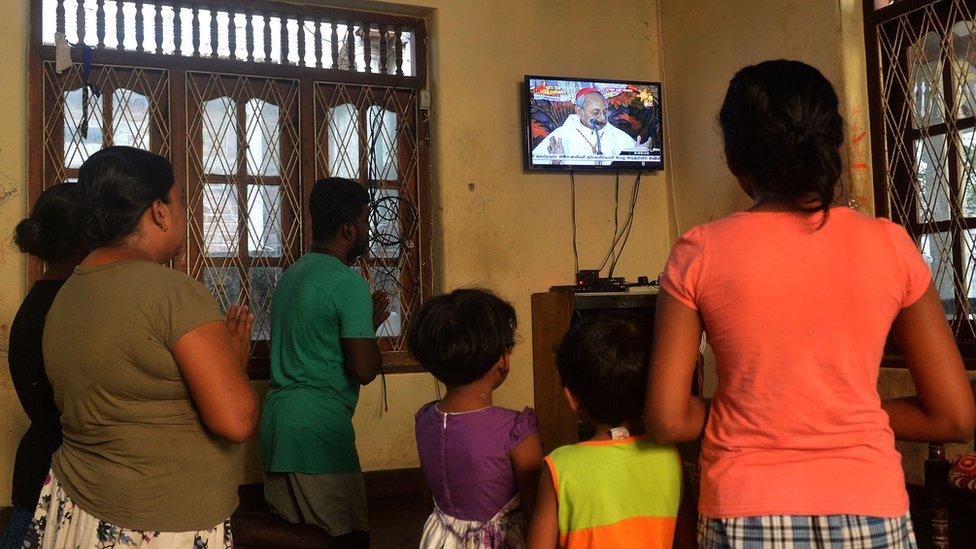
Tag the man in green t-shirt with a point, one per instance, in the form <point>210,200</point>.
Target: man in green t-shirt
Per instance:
<point>323,348</point>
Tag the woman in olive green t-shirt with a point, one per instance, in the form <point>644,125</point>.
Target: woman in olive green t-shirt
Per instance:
<point>149,379</point>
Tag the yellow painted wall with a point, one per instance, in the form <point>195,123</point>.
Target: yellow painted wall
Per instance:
<point>706,42</point>
<point>13,205</point>
<point>510,232</point>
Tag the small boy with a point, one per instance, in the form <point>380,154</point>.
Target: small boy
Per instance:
<point>616,489</point>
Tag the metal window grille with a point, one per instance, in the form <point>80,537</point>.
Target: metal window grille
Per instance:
<point>922,81</point>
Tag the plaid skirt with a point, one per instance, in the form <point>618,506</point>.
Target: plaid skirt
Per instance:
<point>797,532</point>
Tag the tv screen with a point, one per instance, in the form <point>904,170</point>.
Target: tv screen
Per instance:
<point>599,125</point>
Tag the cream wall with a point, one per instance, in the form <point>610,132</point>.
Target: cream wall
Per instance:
<point>13,204</point>
<point>495,225</point>
<point>707,41</point>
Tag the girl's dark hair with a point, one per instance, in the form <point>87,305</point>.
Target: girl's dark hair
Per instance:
<point>53,232</point>
<point>119,184</point>
<point>782,129</point>
<point>603,361</point>
<point>459,336</point>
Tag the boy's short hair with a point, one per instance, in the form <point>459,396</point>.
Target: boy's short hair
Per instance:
<point>334,201</point>
<point>603,361</point>
<point>458,337</point>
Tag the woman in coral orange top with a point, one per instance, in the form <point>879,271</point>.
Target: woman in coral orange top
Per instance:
<point>797,299</point>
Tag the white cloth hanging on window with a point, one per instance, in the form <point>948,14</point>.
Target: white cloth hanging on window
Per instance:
<point>62,53</point>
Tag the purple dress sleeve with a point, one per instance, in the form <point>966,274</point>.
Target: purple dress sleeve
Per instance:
<point>526,424</point>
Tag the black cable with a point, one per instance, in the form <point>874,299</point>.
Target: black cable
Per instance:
<point>620,234</point>
<point>630,224</point>
<point>616,222</point>
<point>386,401</point>
<point>572,181</point>
<point>616,209</point>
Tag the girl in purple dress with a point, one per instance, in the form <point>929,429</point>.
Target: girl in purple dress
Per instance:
<point>481,461</point>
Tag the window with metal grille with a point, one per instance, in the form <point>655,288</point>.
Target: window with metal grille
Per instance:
<point>922,86</point>
<point>252,102</point>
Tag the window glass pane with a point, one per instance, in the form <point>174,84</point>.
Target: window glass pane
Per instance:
<point>223,38</point>
<point>220,136</point>
<point>263,133</point>
<point>384,224</point>
<point>129,15</point>
<point>204,16</point>
<point>77,147</point>
<point>264,221</point>
<point>225,285</point>
<point>933,178</point>
<point>47,21</point>
<point>963,72</point>
<point>262,281</point>
<point>381,138</point>
<point>937,251</point>
<point>408,46</point>
<point>342,61</point>
<point>130,119</point>
<point>169,15</point>
<point>111,12</point>
<point>70,22</point>
<point>969,253</point>
<point>343,142</point>
<point>387,279</point>
<point>926,70</point>
<point>220,219</point>
<point>240,26</point>
<point>967,150</point>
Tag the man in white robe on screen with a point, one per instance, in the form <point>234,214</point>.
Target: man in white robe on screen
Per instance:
<point>586,133</point>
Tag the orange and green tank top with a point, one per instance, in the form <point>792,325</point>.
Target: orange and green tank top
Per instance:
<point>616,493</point>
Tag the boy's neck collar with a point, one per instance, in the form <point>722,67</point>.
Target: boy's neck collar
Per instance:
<point>618,432</point>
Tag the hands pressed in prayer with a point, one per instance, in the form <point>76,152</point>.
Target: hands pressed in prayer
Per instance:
<point>381,308</point>
<point>556,145</point>
<point>238,322</point>
<point>646,144</point>
<point>556,148</point>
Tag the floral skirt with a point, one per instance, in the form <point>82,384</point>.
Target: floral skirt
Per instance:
<point>60,524</point>
<point>508,529</point>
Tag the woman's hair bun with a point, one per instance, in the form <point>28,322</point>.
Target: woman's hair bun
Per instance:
<point>53,232</point>
<point>782,129</point>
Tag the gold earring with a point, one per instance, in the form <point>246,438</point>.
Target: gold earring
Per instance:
<point>164,228</point>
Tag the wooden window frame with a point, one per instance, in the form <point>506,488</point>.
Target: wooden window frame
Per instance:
<point>180,67</point>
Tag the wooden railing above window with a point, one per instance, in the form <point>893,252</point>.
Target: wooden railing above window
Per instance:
<point>275,35</point>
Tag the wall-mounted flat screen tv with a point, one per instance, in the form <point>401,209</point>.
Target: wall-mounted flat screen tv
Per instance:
<point>595,125</point>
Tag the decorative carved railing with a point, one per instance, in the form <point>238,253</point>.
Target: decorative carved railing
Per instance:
<point>245,31</point>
